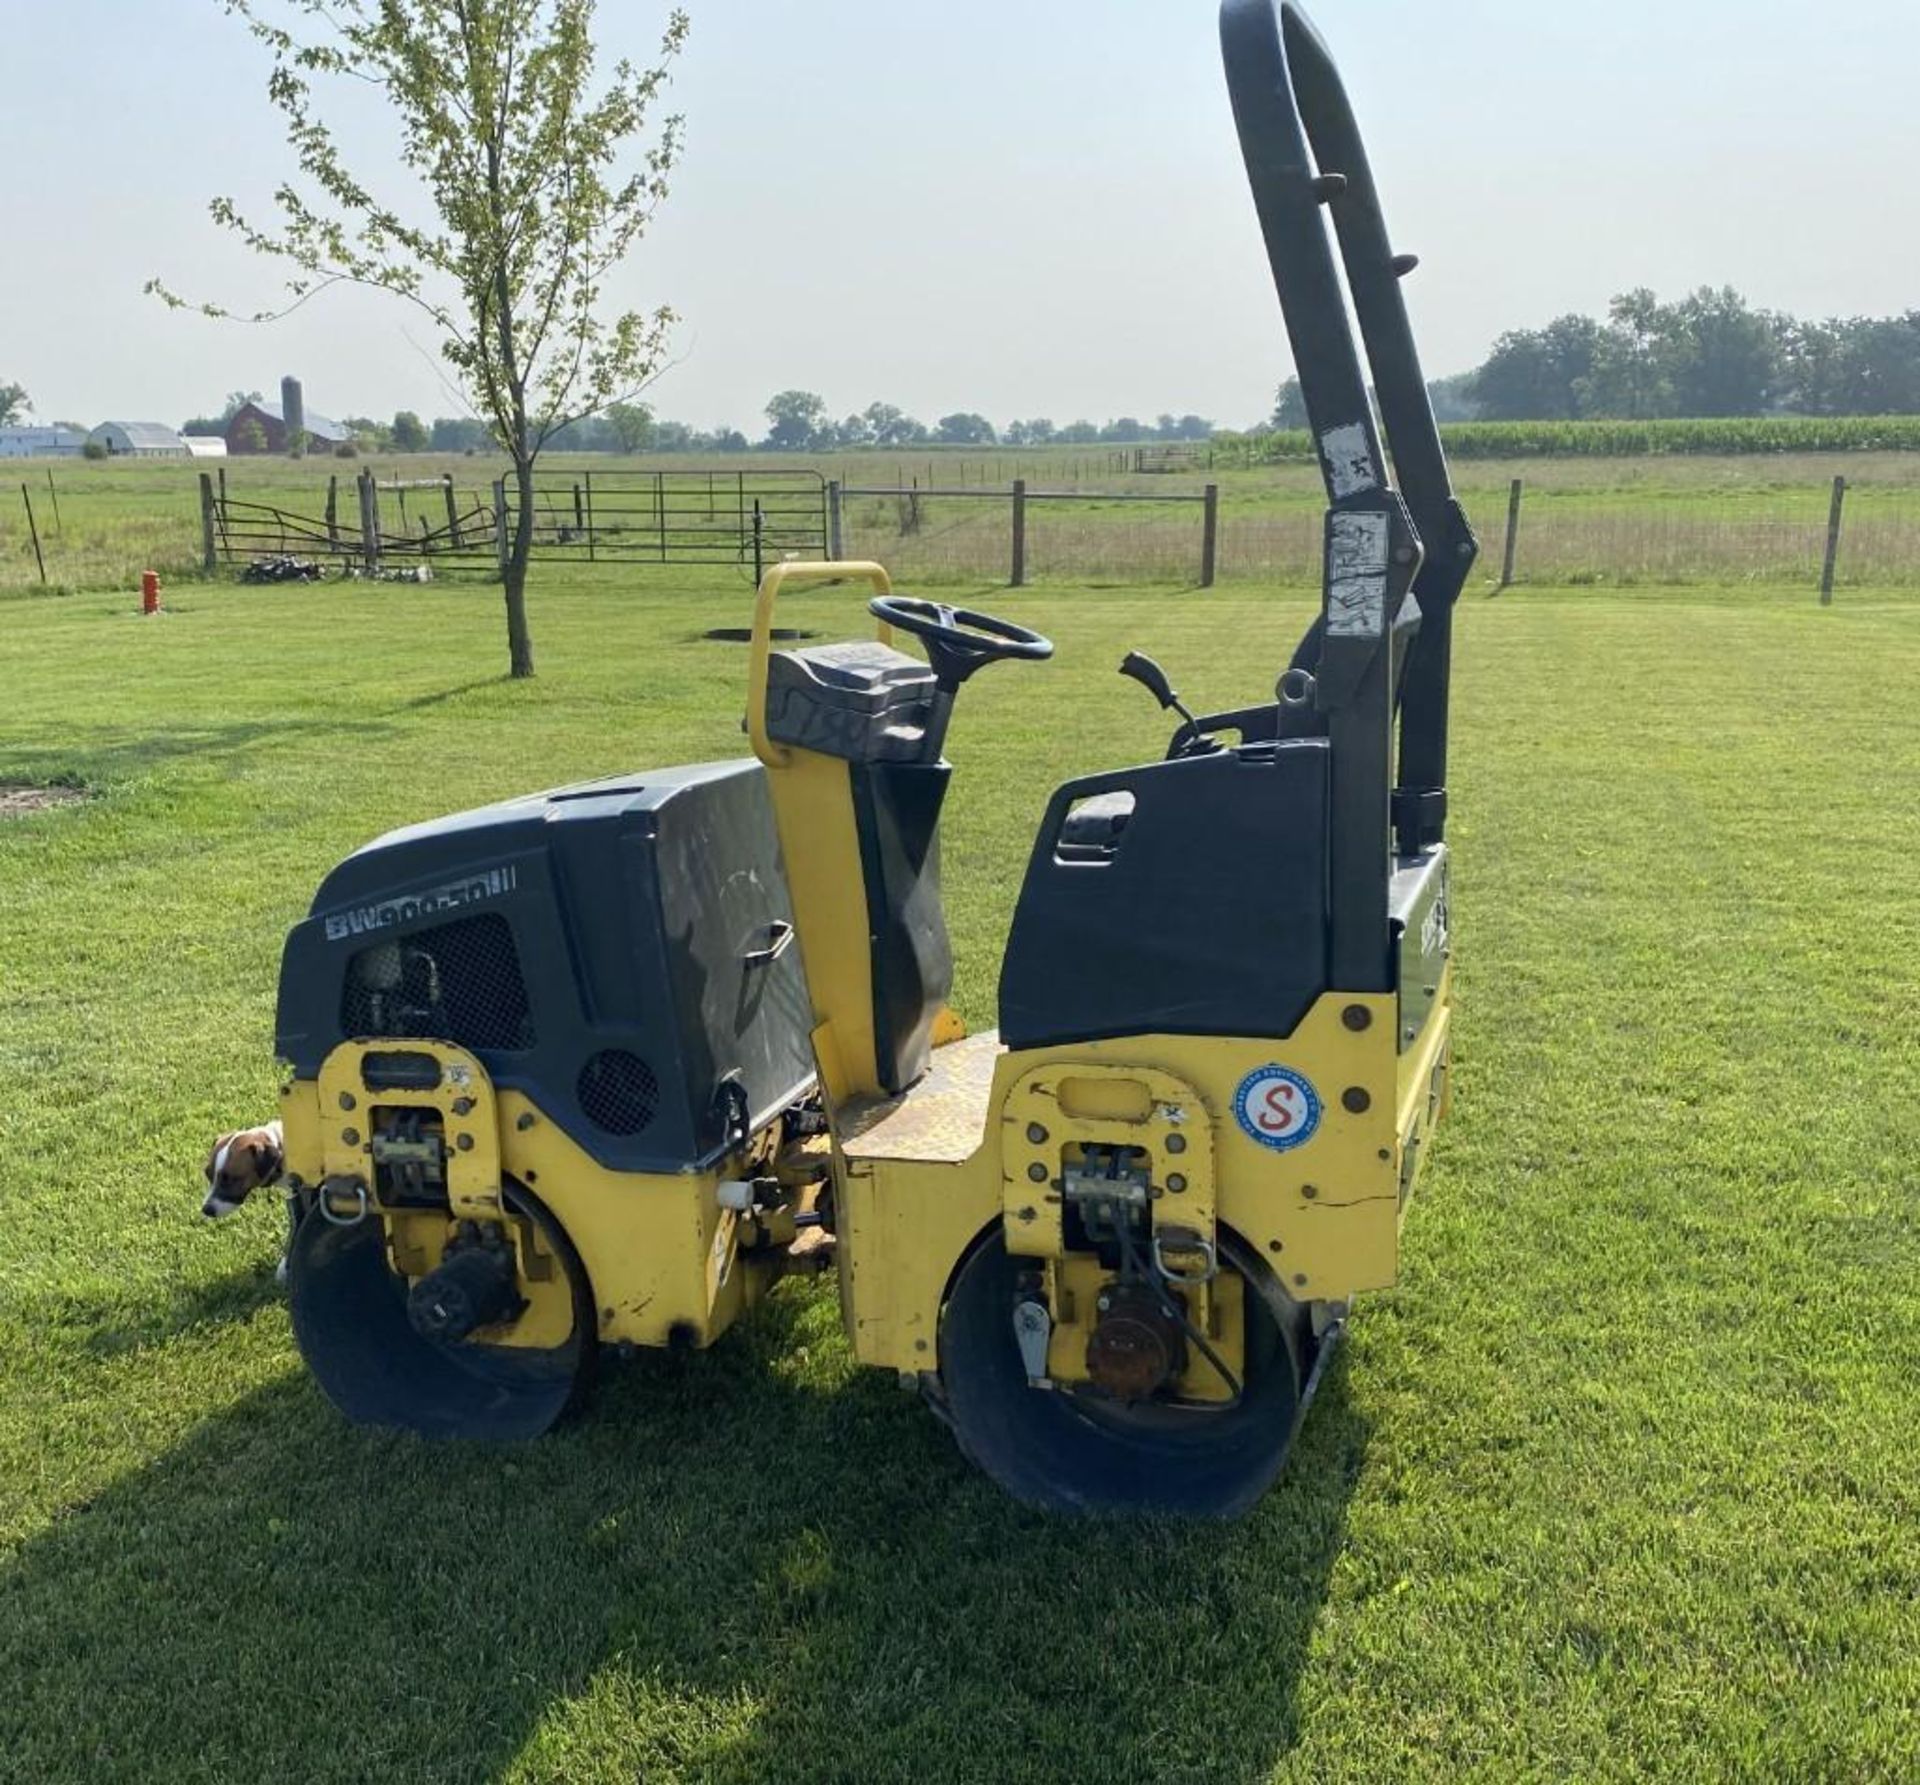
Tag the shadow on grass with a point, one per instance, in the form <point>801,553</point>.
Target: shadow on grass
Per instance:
<point>100,755</point>
<point>725,1568</point>
<point>239,1295</point>
<point>440,696</point>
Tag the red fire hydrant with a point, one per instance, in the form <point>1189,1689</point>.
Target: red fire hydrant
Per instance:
<point>149,592</point>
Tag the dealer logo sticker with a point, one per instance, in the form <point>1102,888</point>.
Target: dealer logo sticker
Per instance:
<point>1277,1107</point>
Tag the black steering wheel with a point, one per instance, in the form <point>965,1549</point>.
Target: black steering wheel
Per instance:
<point>959,640</point>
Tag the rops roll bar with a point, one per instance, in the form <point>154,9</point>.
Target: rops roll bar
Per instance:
<point>1395,559</point>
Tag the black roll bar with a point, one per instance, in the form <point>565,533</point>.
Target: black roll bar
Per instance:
<point>1394,558</point>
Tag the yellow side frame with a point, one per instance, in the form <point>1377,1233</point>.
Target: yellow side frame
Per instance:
<point>1324,1216</point>
<point>661,1255</point>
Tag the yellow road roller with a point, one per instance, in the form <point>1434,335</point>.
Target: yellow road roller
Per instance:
<point>593,1068</point>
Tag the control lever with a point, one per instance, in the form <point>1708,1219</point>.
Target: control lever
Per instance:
<point>1137,666</point>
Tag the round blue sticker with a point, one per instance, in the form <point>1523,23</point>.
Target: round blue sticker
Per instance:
<point>1277,1107</point>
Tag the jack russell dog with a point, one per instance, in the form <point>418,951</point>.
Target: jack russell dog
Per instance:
<point>242,1162</point>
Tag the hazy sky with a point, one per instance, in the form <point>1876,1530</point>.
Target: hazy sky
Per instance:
<point>1025,207</point>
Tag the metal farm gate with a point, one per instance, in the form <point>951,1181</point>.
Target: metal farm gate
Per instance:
<point>676,517</point>
<point>743,517</point>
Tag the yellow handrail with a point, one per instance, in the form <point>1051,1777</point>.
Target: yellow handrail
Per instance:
<point>770,753</point>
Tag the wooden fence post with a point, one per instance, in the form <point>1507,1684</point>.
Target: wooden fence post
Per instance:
<point>1209,535</point>
<point>35,531</point>
<point>369,522</point>
<point>834,535</point>
<point>209,558</point>
<point>1513,534</point>
<point>501,547</point>
<point>454,541</point>
<point>1833,541</point>
<point>1019,579</point>
<point>333,511</point>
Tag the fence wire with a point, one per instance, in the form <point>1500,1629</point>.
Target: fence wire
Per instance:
<point>100,527</point>
<point>1779,536</point>
<point>943,536</point>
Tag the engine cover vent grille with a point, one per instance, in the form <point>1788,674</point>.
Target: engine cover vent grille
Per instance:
<point>457,982</point>
<point>618,1092</point>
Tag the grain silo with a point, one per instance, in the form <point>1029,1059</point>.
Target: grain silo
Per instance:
<point>293,411</point>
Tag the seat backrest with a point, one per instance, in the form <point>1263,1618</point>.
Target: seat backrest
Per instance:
<point>869,705</point>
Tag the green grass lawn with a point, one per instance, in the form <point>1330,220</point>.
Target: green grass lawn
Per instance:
<point>1622,1481</point>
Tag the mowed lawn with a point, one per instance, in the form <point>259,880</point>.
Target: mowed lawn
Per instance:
<point>1622,1481</point>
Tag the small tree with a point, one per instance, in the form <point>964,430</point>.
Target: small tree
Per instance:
<point>631,425</point>
<point>409,432</point>
<point>963,428</point>
<point>890,426</point>
<point>534,192</point>
<point>15,404</point>
<point>797,418</point>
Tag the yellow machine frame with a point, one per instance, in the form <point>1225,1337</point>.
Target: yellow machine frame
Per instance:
<point>922,1176</point>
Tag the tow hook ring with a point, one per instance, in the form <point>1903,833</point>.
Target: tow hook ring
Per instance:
<point>325,1201</point>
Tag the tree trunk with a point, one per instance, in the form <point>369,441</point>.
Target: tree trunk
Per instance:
<point>519,553</point>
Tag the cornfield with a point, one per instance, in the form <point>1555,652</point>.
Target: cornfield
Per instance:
<point>1726,435</point>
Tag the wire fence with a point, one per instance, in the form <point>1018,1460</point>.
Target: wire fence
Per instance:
<point>1676,523</point>
<point>1565,537</point>
<point>1021,535</point>
<point>1820,537</point>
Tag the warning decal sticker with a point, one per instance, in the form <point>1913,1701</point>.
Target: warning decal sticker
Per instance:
<point>1277,1107</point>
<point>1349,460</point>
<point>1356,575</point>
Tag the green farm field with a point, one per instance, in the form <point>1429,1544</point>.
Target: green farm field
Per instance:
<point>1619,1483</point>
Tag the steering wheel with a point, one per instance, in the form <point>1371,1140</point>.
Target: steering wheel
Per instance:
<point>959,640</point>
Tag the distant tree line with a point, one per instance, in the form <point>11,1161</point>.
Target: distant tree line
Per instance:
<point>1452,399</point>
<point>797,421</point>
<point>1709,354</point>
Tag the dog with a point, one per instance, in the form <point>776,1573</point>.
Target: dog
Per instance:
<point>240,1163</point>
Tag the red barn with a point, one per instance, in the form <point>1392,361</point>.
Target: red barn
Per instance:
<point>262,427</point>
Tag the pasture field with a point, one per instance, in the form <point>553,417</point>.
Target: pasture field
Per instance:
<point>1620,1483</point>
<point>1657,519</point>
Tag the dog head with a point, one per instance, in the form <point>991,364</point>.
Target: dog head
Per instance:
<point>238,1165</point>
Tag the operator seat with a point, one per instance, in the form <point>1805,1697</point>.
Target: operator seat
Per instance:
<point>872,706</point>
